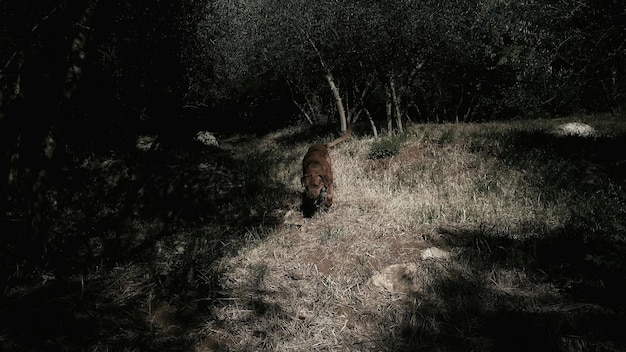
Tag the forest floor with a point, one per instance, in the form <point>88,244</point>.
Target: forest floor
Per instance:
<point>485,237</point>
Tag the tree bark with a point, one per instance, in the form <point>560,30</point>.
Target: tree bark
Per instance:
<point>303,111</point>
<point>396,104</point>
<point>394,114</point>
<point>388,110</point>
<point>331,83</point>
<point>371,120</point>
<point>338,102</point>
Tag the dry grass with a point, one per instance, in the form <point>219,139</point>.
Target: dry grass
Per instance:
<point>499,209</point>
<point>531,227</point>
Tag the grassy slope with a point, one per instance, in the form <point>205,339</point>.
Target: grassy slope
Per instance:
<point>534,224</point>
<point>215,255</point>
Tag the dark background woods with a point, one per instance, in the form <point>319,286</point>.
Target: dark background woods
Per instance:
<point>77,77</point>
<point>83,79</point>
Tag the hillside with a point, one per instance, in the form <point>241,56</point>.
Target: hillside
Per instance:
<point>488,237</point>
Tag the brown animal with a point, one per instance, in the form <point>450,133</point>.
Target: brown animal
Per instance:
<point>317,175</point>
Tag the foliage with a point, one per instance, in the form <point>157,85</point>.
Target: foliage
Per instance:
<point>451,61</point>
<point>387,146</point>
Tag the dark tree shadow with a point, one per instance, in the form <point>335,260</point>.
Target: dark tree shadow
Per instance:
<point>140,232</point>
<point>585,312</point>
<point>312,134</point>
<point>549,156</point>
<point>63,316</point>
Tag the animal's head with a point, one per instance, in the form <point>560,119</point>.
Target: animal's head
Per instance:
<point>315,187</point>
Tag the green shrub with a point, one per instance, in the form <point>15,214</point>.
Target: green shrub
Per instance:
<point>386,147</point>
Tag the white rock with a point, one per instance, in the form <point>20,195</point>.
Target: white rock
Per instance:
<point>144,143</point>
<point>434,252</point>
<point>206,138</point>
<point>575,129</point>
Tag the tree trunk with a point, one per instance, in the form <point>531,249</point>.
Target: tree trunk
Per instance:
<point>338,102</point>
<point>303,111</point>
<point>371,120</point>
<point>396,104</point>
<point>394,114</point>
<point>388,110</point>
<point>301,107</point>
<point>331,83</point>
<point>468,112</point>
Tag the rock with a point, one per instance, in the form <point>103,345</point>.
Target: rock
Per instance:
<point>577,129</point>
<point>207,138</point>
<point>145,143</point>
<point>435,253</point>
<point>397,278</point>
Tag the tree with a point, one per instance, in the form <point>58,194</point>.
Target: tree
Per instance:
<point>298,42</point>
<point>589,54</point>
<point>428,61</point>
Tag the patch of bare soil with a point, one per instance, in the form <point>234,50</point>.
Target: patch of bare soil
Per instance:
<point>374,166</point>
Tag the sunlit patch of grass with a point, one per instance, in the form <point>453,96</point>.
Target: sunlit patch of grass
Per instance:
<point>524,220</point>
<point>329,235</point>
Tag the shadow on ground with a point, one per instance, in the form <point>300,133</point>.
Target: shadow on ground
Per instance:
<point>129,254</point>
<point>558,292</point>
<point>585,160</point>
<point>549,289</point>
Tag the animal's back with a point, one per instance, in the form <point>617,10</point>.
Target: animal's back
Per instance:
<point>318,150</point>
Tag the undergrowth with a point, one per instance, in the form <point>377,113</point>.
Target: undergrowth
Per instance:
<point>387,146</point>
